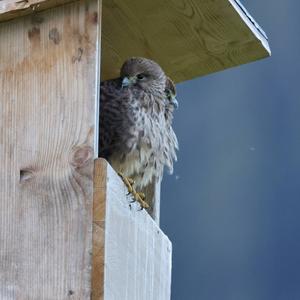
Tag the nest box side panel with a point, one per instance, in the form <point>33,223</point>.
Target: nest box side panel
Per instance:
<point>48,91</point>
<point>132,257</point>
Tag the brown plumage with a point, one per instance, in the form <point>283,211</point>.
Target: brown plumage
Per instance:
<point>136,135</point>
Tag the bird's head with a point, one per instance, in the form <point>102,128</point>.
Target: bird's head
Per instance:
<point>170,91</point>
<point>143,73</point>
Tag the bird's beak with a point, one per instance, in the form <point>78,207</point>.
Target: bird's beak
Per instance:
<point>126,82</point>
<point>174,102</point>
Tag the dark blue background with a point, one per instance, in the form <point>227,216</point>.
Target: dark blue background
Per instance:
<point>232,207</point>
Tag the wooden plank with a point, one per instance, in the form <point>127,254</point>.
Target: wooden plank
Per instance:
<point>188,38</point>
<point>10,9</point>
<point>48,88</point>
<point>136,263</point>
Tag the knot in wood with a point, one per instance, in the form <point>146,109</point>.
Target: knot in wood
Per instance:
<point>81,156</point>
<point>26,175</point>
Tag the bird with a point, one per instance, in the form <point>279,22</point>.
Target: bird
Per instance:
<point>136,135</point>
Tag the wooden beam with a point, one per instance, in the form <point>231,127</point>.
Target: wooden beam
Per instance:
<point>131,255</point>
<point>188,38</point>
<point>48,93</point>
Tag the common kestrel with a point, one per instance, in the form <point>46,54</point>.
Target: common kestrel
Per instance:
<point>136,135</point>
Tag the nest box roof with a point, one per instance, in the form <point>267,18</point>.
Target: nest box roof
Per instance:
<point>188,38</point>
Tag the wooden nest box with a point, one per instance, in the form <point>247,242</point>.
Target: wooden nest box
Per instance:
<point>56,241</point>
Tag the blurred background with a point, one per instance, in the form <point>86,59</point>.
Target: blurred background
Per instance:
<point>232,207</point>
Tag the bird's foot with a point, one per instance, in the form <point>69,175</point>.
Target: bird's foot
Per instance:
<point>137,196</point>
<point>140,198</point>
<point>129,182</point>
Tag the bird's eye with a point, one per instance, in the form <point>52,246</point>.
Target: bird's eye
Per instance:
<point>140,76</point>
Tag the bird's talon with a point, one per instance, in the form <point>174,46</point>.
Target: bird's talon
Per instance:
<point>137,196</point>
<point>130,180</point>
<point>142,196</point>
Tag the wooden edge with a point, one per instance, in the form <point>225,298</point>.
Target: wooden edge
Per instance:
<point>100,176</point>
<point>13,9</point>
<point>252,24</point>
<point>98,79</point>
<point>156,200</point>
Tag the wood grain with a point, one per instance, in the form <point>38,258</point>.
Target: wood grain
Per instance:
<point>47,101</point>
<point>137,254</point>
<point>100,183</point>
<point>10,9</point>
<point>188,38</point>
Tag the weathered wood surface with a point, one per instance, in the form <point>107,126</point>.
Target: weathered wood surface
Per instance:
<point>10,9</point>
<point>48,87</point>
<point>136,252</point>
<point>189,38</point>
